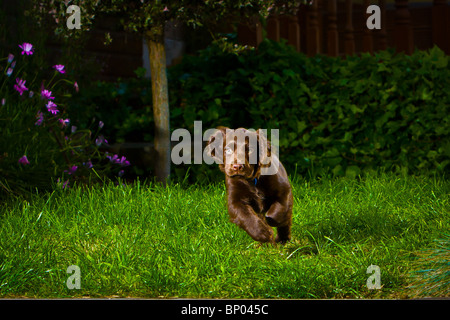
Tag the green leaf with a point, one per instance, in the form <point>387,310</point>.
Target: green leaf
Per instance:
<point>277,78</point>
<point>337,171</point>
<point>355,109</point>
<point>439,59</point>
<point>306,137</point>
<point>348,136</point>
<point>140,72</point>
<point>289,73</point>
<point>352,172</point>
<point>301,125</point>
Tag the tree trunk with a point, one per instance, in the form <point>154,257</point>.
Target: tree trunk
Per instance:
<point>160,106</point>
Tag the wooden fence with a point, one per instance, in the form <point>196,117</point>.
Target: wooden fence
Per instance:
<point>335,27</point>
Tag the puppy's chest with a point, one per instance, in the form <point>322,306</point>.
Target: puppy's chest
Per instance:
<point>258,197</point>
<point>258,200</point>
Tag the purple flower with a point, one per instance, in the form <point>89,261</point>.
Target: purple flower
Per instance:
<point>9,71</point>
<point>13,64</point>
<point>20,86</point>
<point>59,68</point>
<point>3,101</point>
<point>10,57</point>
<point>75,85</point>
<point>115,159</point>
<point>101,139</point>
<point>88,164</point>
<point>100,124</point>
<point>72,170</point>
<point>124,162</point>
<point>46,94</point>
<point>26,48</point>
<point>51,107</point>
<point>64,122</point>
<point>24,161</point>
<point>40,118</point>
<point>120,174</point>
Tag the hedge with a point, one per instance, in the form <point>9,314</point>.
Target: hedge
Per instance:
<point>336,116</point>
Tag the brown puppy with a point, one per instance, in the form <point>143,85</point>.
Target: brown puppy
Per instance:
<point>259,195</point>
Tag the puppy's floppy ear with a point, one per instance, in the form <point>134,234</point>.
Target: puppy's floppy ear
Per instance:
<point>268,153</point>
<point>264,148</point>
<point>214,146</point>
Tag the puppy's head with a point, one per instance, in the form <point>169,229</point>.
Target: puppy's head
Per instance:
<point>240,152</point>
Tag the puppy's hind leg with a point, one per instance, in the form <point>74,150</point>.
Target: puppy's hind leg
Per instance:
<point>283,234</point>
<point>281,217</point>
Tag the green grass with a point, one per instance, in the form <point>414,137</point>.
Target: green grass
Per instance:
<point>145,241</point>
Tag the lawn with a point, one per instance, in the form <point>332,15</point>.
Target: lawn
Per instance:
<point>141,240</point>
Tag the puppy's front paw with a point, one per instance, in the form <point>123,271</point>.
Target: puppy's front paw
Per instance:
<point>264,233</point>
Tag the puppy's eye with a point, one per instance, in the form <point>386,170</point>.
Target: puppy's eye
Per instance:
<point>228,151</point>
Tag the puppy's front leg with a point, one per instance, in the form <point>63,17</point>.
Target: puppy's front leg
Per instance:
<point>245,217</point>
<point>280,216</point>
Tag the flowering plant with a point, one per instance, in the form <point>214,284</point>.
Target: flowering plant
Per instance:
<point>37,134</point>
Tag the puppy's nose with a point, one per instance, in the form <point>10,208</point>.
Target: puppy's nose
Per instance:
<point>238,167</point>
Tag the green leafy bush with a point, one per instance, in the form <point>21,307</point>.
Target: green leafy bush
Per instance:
<point>124,106</point>
<point>336,116</point>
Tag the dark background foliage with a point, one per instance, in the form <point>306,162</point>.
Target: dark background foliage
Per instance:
<point>336,116</point>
